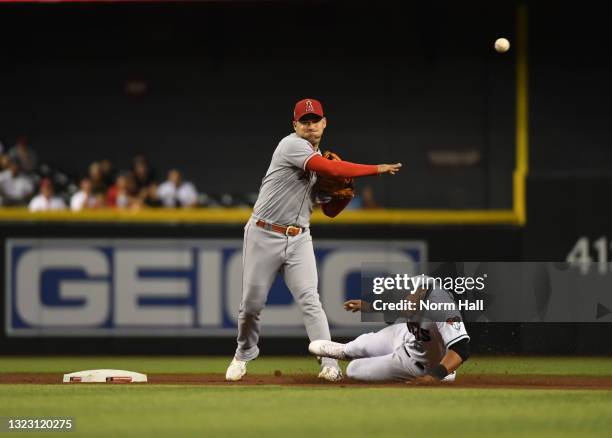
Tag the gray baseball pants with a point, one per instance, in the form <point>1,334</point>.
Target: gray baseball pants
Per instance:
<point>264,254</point>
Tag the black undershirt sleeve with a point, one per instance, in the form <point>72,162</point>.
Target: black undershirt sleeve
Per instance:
<point>462,348</point>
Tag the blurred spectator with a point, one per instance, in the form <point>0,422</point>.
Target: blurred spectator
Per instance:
<point>364,200</point>
<point>122,194</point>
<point>143,174</point>
<point>15,187</point>
<point>85,199</point>
<point>108,172</point>
<point>24,155</point>
<point>367,198</point>
<point>4,162</point>
<point>45,201</point>
<point>98,183</point>
<point>150,197</point>
<point>177,193</point>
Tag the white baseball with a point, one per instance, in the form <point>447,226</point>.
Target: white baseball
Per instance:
<point>502,45</point>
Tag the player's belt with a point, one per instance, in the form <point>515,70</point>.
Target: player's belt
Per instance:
<point>287,231</point>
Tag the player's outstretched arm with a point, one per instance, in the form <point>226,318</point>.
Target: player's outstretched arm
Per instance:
<point>346,169</point>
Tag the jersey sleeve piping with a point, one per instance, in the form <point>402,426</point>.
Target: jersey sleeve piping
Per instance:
<point>457,339</point>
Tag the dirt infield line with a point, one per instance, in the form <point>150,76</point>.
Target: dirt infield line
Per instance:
<point>465,381</point>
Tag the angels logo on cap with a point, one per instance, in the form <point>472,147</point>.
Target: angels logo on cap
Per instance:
<point>307,106</point>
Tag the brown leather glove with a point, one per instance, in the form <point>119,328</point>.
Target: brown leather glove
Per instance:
<point>334,187</point>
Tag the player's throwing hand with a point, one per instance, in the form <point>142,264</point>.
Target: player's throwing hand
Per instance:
<point>391,169</point>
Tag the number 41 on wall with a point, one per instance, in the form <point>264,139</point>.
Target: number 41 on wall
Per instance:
<point>580,255</point>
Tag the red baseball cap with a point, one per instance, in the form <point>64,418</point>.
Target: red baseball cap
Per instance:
<point>307,106</point>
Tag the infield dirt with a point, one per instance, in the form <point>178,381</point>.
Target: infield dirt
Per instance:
<point>519,381</point>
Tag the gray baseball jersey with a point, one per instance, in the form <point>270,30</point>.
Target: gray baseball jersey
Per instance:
<point>285,193</point>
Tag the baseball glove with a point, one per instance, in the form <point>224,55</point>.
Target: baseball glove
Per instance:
<point>334,187</point>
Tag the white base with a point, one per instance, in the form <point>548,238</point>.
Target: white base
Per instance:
<point>105,376</point>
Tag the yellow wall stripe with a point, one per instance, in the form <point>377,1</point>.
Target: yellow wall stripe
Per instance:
<point>241,215</point>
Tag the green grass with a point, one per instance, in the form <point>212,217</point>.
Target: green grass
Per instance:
<point>306,412</point>
<point>322,411</point>
<point>585,366</point>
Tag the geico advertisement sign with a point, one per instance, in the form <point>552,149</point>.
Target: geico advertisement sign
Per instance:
<point>175,287</point>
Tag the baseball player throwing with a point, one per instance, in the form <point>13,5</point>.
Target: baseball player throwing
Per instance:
<point>277,236</point>
<point>419,351</point>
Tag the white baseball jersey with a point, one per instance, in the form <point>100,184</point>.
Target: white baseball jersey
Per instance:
<point>285,194</point>
<point>430,340</point>
<point>405,350</point>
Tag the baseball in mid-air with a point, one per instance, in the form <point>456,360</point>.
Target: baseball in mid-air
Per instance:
<point>502,45</point>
